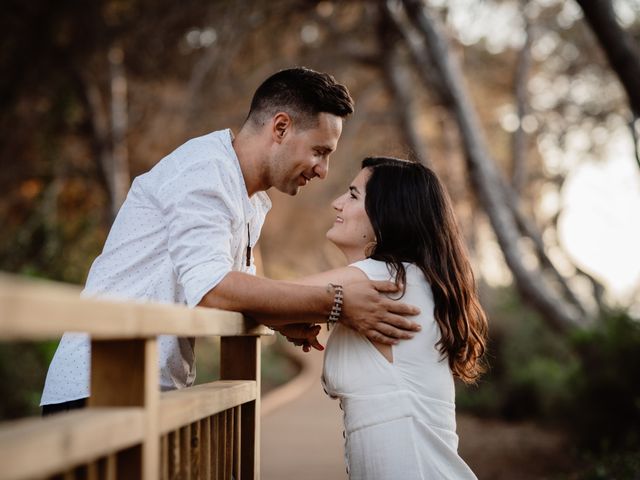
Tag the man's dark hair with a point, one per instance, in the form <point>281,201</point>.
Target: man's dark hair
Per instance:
<point>303,94</point>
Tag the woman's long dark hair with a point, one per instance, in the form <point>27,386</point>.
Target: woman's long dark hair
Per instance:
<point>413,220</point>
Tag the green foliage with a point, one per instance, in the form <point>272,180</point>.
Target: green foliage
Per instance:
<point>587,382</point>
<point>529,365</point>
<point>608,466</point>
<point>22,371</point>
<point>604,409</point>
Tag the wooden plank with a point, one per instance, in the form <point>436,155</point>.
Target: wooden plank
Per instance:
<point>222,445</point>
<point>93,471</point>
<point>125,373</point>
<point>205,450</point>
<point>128,463</point>
<point>151,445</point>
<point>215,445</point>
<point>174,455</point>
<point>110,466</point>
<point>240,360</point>
<point>185,452</point>
<point>180,407</point>
<point>66,439</point>
<point>34,310</point>
<point>117,373</point>
<point>164,456</point>
<point>117,379</point>
<point>229,444</point>
<point>237,442</point>
<point>195,451</point>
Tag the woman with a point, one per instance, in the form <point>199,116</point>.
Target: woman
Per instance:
<point>396,222</point>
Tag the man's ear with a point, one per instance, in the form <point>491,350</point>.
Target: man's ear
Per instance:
<point>281,124</point>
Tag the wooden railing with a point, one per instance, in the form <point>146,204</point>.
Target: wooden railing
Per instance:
<point>130,430</point>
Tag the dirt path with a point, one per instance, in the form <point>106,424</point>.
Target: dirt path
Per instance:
<point>498,450</point>
<point>302,438</point>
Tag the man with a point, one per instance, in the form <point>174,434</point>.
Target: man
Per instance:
<point>186,230</point>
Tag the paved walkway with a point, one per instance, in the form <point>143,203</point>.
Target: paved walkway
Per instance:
<point>302,429</point>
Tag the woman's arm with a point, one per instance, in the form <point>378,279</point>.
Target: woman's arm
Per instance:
<point>342,276</point>
<point>365,308</point>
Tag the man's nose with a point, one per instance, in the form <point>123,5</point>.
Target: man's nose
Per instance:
<point>321,169</point>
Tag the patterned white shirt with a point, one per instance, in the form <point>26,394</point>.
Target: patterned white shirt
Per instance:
<point>184,225</point>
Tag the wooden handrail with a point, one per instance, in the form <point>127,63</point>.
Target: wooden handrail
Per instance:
<point>182,407</point>
<point>130,430</point>
<point>41,309</point>
<point>35,447</point>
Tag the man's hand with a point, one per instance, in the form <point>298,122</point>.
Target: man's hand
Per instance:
<point>303,335</point>
<point>372,314</point>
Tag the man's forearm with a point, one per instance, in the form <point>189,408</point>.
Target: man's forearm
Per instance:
<point>270,301</point>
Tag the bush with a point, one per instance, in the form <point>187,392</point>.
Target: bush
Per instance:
<point>587,382</point>
<point>529,365</point>
<point>603,411</point>
<point>22,372</point>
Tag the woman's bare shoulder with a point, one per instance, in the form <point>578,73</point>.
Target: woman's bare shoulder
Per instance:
<point>342,275</point>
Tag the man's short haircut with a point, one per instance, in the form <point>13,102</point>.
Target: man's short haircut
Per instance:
<point>303,94</point>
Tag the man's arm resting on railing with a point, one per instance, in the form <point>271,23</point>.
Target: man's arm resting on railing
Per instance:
<point>276,303</point>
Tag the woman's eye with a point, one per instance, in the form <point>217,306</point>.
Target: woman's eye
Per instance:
<point>353,196</point>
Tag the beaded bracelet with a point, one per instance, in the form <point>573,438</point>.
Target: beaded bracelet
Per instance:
<point>336,310</point>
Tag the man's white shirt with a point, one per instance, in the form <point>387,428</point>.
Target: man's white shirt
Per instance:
<point>184,225</point>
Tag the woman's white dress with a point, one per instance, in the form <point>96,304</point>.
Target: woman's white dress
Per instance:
<point>399,417</point>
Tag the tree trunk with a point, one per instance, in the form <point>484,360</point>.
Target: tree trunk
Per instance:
<point>108,121</point>
<point>399,88</point>
<point>120,178</point>
<point>619,46</point>
<point>519,139</point>
<point>486,179</point>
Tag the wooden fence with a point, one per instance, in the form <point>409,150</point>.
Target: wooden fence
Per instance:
<point>130,430</point>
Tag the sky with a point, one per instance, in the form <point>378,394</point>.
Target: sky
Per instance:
<point>600,223</point>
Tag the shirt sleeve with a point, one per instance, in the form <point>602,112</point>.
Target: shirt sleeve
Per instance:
<point>199,214</point>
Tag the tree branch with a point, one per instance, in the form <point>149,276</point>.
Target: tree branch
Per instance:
<point>485,177</point>
<point>519,139</point>
<point>619,46</point>
<point>120,177</point>
<point>398,87</point>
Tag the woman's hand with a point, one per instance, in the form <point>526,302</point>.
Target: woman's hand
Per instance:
<point>303,335</point>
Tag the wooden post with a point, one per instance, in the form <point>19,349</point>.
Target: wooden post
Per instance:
<point>240,360</point>
<point>124,373</point>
